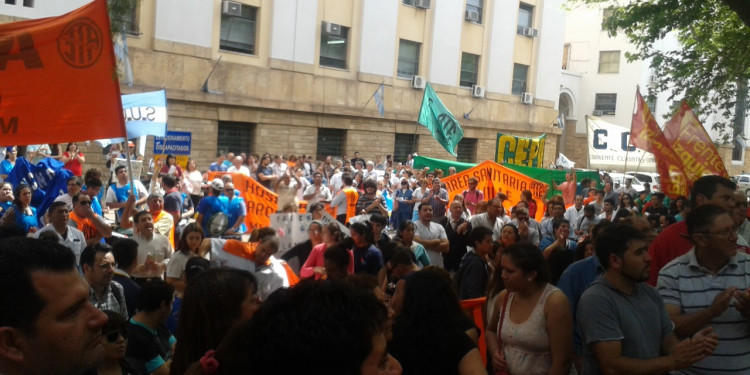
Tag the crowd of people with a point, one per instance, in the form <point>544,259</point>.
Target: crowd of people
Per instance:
<point>611,280</point>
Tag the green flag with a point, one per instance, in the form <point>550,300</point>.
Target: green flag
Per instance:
<point>439,120</point>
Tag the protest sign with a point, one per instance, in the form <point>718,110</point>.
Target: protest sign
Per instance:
<point>524,151</point>
<point>261,203</point>
<point>494,178</point>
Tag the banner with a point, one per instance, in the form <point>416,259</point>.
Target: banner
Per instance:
<point>292,228</point>
<point>175,143</point>
<point>494,178</point>
<point>439,121</point>
<point>58,79</point>
<point>261,203</point>
<point>608,148</point>
<point>689,140</point>
<point>47,179</point>
<point>421,162</point>
<point>520,150</point>
<point>648,136</point>
<point>145,113</point>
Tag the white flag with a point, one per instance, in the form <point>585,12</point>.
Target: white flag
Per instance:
<point>563,161</point>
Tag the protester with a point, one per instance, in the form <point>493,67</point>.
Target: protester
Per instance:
<point>302,250</point>
<point>66,235</point>
<point>125,252</point>
<point>568,187</point>
<point>215,300</point>
<point>9,162</point>
<point>529,229</point>
<point>21,218</point>
<point>118,192</point>
<point>83,217</point>
<point>115,341</point>
<point>402,204</point>
<point>150,344</point>
<point>154,249</point>
<point>329,235</point>
<point>41,285</point>
<point>431,235</point>
<point>6,197</point>
<point>429,334</point>
<point>406,239</point>
<point>187,247</point>
<point>367,258</point>
<point>73,159</point>
<point>346,200</point>
<point>211,206</point>
<point>402,265</point>
<point>474,272</point>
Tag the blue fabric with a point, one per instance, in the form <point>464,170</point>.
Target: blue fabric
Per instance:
<point>48,180</point>
<point>210,205</point>
<point>25,222</point>
<point>573,282</point>
<point>217,167</point>
<point>234,210</point>
<point>121,193</point>
<point>5,167</point>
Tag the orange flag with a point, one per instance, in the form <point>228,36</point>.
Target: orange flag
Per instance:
<point>646,135</point>
<point>693,146</point>
<point>260,202</point>
<point>58,80</point>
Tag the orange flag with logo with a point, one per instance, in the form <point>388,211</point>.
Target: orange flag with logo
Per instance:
<point>646,135</point>
<point>58,79</point>
<point>494,178</point>
<point>693,146</point>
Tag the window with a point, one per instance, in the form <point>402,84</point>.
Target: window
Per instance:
<point>238,29</point>
<point>405,144</point>
<point>469,69</point>
<point>334,41</point>
<point>737,152</point>
<point>131,19</point>
<point>475,6</point>
<point>10,2</point>
<point>467,150</point>
<point>28,3</point>
<point>609,61</point>
<point>330,143</point>
<point>651,102</point>
<point>408,2</point>
<point>520,76</point>
<point>606,103</point>
<point>606,14</point>
<point>235,137</point>
<point>408,59</point>
<point>525,14</point>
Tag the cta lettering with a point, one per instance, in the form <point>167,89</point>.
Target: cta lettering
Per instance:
<point>25,53</point>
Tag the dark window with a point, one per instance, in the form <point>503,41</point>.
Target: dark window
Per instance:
<point>405,144</point>
<point>238,29</point>
<point>11,2</point>
<point>737,151</point>
<point>525,17</point>
<point>331,142</point>
<point>606,103</point>
<point>408,2</point>
<point>520,76</point>
<point>235,137</point>
<point>475,6</point>
<point>467,150</point>
<point>408,59</point>
<point>28,3</point>
<point>334,43</point>
<point>469,69</point>
<point>609,61</point>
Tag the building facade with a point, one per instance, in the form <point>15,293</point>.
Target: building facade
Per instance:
<point>298,76</point>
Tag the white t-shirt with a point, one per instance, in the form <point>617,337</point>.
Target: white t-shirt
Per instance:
<point>74,239</point>
<point>269,277</point>
<point>432,232</point>
<point>242,169</point>
<point>323,195</point>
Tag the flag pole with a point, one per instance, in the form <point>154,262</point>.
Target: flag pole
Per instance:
<point>630,136</point>
<point>130,170</point>
<point>588,136</point>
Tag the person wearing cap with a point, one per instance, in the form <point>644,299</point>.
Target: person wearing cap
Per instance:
<point>212,204</point>
<point>133,154</point>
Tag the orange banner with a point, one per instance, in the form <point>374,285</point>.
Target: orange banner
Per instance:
<point>260,202</point>
<point>58,79</point>
<point>693,146</point>
<point>646,135</point>
<point>494,178</point>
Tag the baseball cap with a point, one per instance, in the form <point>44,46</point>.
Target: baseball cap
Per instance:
<point>217,184</point>
<point>131,144</point>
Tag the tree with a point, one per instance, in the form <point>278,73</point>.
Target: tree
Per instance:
<point>710,71</point>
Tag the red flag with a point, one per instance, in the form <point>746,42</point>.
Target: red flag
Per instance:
<point>58,80</point>
<point>646,135</point>
<point>690,141</point>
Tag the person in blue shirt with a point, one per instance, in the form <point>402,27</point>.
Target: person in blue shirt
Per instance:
<point>236,210</point>
<point>218,166</point>
<point>6,197</point>
<point>212,204</point>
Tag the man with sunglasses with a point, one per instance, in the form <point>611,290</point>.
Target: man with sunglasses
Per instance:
<point>83,217</point>
<point>708,286</point>
<point>98,266</point>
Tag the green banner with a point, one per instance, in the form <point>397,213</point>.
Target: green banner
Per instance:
<point>439,121</point>
<point>541,174</point>
<point>523,151</point>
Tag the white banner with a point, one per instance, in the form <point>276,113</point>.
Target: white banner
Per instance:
<point>608,148</point>
<point>294,228</point>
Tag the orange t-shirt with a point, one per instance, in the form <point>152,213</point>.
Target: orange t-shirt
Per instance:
<point>84,225</point>
<point>351,202</point>
<point>247,250</point>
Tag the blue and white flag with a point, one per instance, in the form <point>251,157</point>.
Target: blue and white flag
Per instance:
<point>563,161</point>
<point>123,57</point>
<point>379,94</point>
<point>145,114</point>
<point>47,179</point>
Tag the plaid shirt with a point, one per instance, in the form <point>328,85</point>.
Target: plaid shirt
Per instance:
<point>109,301</point>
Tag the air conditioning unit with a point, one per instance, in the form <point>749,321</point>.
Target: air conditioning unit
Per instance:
<point>423,4</point>
<point>477,91</point>
<point>597,112</point>
<point>418,82</point>
<point>231,8</point>
<point>471,16</point>
<point>527,98</point>
<point>534,33</point>
<point>330,28</point>
<point>529,32</point>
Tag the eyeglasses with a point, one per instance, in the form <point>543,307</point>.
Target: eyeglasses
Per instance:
<point>105,266</point>
<point>112,336</point>
<point>230,189</point>
<point>85,203</point>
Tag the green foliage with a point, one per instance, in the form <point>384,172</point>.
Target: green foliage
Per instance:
<point>121,15</point>
<point>710,70</point>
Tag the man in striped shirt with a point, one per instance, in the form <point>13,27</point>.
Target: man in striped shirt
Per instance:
<point>708,286</point>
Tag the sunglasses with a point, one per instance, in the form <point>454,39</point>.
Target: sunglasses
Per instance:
<point>85,203</point>
<point>112,336</point>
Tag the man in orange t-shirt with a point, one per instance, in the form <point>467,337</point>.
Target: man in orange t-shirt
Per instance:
<point>84,218</point>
